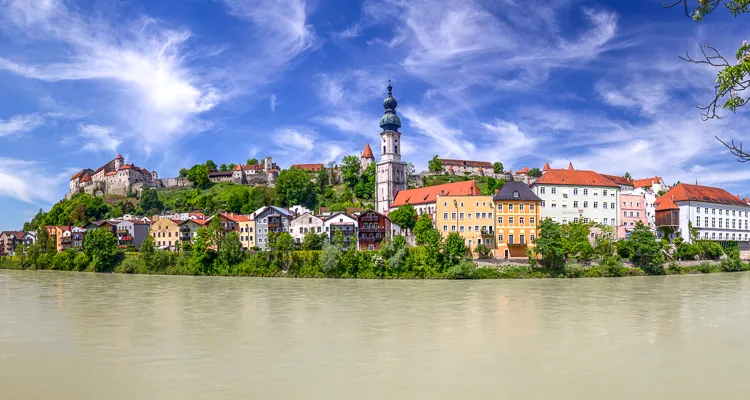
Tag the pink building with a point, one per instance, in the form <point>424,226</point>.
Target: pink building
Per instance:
<point>633,209</point>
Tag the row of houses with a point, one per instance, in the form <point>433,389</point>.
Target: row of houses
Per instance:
<point>506,221</point>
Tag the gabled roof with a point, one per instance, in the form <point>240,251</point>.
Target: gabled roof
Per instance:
<point>646,182</point>
<point>508,190</point>
<point>465,163</point>
<point>220,173</point>
<point>240,167</point>
<point>368,152</point>
<point>576,177</point>
<point>620,180</point>
<point>546,167</point>
<point>705,194</point>
<point>666,204</point>
<point>119,157</point>
<point>429,194</point>
<point>235,217</point>
<point>523,171</point>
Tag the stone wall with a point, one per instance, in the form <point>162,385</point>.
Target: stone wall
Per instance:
<point>174,183</point>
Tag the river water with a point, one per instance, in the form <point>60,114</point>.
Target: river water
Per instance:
<point>109,336</point>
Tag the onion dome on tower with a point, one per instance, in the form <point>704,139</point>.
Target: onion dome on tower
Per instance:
<point>390,121</point>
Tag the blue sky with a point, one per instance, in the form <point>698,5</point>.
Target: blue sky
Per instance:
<point>172,83</point>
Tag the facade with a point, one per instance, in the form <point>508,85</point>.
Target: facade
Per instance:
<point>570,195</point>
<point>304,223</point>
<point>189,228</point>
<point>11,240</point>
<point>264,173</point>
<point>268,220</point>
<point>166,233</point>
<point>655,184</point>
<point>461,167</point>
<point>632,210</point>
<point>64,238</point>
<point>221,176</point>
<point>625,183</point>
<point>366,158</point>
<point>424,199</point>
<point>471,216</point>
<point>230,222</point>
<point>517,214</point>
<point>131,233</point>
<point>390,173</point>
<point>114,177</point>
<point>714,213</point>
<point>344,223</point>
<point>247,233</point>
<point>373,228</point>
<point>649,200</point>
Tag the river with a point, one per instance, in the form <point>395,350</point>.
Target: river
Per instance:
<point>108,336</point>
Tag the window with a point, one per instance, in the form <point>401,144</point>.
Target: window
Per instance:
<point>469,228</point>
<point>720,235</point>
<point>733,213</point>
<point>698,221</point>
<point>484,215</point>
<point>721,221</point>
<point>500,238</point>
<point>585,204</point>
<point>487,242</point>
<point>532,220</point>
<point>445,228</point>
<point>713,211</point>
<point>499,220</point>
<point>510,220</point>
<point>575,204</point>
<point>575,220</point>
<point>554,190</point>
<point>453,216</point>
<point>542,203</point>
<point>461,228</point>
<point>460,215</point>
<point>638,214</point>
<point>720,210</point>
<point>554,205</point>
<point>499,206</point>
<point>606,220</point>
<point>585,192</point>
<point>604,204</point>
<point>532,237</point>
<point>585,220</point>
<point>477,215</point>
<point>713,222</point>
<point>541,189</point>
<point>453,228</point>
<point>520,207</point>
<point>510,207</point>
<point>713,235</point>
<point>520,220</point>
<point>445,215</point>
<point>596,192</point>
<point>510,239</point>
<point>612,205</point>
<point>515,193</point>
<point>705,220</point>
<point>532,207</point>
<point>698,210</point>
<point>596,204</point>
<point>604,192</point>
<point>575,191</point>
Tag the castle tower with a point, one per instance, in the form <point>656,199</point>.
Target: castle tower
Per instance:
<point>119,161</point>
<point>390,176</point>
<point>366,158</point>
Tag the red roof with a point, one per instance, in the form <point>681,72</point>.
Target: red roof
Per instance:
<point>368,151</point>
<point>235,217</point>
<point>309,167</point>
<point>647,182</point>
<point>76,175</point>
<point>546,167</point>
<point>119,157</point>
<point>706,194</point>
<point>248,167</point>
<point>429,194</point>
<point>666,204</point>
<point>620,180</point>
<point>523,171</point>
<point>110,173</point>
<point>465,163</point>
<point>574,177</point>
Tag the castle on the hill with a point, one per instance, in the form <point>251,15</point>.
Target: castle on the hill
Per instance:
<point>114,177</point>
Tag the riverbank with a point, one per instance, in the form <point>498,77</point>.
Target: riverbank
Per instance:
<point>309,265</point>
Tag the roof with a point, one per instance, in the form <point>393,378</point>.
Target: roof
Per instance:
<point>620,180</point>
<point>666,204</point>
<point>572,176</point>
<point>17,234</point>
<point>524,193</point>
<point>368,151</point>
<point>309,167</point>
<point>705,194</point>
<point>110,173</point>
<point>201,222</point>
<point>523,171</point>
<point>646,182</point>
<point>235,217</point>
<point>546,167</point>
<point>240,167</point>
<point>465,163</point>
<point>119,157</point>
<point>429,194</point>
<point>220,173</point>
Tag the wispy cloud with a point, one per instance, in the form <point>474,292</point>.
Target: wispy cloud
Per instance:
<point>28,181</point>
<point>272,102</point>
<point>98,138</point>
<point>20,124</point>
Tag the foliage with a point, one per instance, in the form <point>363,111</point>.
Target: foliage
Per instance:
<point>423,229</point>
<point>435,164</point>
<point>641,247</point>
<point>534,173</point>
<point>322,180</point>
<point>350,169</point>
<point>78,210</point>
<point>710,249</point>
<point>313,241</point>
<point>252,161</point>
<point>150,203</point>
<point>463,270</point>
<point>230,251</point>
<point>575,241</point>
<point>404,216</point>
<point>549,244</point>
<point>198,176</point>
<point>294,187</point>
<point>211,166</point>
<point>687,251</point>
<point>497,167</point>
<point>365,188</point>
<point>330,259</point>
<point>100,246</point>
<point>483,251</point>
<point>455,246</point>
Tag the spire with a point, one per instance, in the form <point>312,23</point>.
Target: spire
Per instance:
<point>570,167</point>
<point>368,152</point>
<point>119,157</point>
<point>546,167</point>
<point>390,121</point>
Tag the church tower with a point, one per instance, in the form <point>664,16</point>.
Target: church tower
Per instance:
<point>390,177</point>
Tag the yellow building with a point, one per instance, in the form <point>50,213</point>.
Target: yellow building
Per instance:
<point>471,216</point>
<point>247,233</point>
<point>517,213</point>
<point>166,233</point>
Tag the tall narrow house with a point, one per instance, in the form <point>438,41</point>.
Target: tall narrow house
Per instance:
<point>391,171</point>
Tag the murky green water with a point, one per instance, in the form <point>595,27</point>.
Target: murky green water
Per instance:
<point>105,336</point>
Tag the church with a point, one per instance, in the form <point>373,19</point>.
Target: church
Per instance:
<point>390,175</point>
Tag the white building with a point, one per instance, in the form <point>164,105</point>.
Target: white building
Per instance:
<point>570,196</point>
<point>714,213</point>
<point>304,223</point>
<point>390,175</point>
<point>348,226</point>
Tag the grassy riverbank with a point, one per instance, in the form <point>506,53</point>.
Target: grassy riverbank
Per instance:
<point>308,264</point>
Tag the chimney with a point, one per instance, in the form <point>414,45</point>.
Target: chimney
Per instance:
<point>442,192</point>
<point>497,191</point>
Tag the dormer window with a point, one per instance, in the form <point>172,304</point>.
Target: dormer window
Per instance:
<point>515,194</point>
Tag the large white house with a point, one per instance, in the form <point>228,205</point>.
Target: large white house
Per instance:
<point>304,223</point>
<point>714,213</point>
<point>570,196</point>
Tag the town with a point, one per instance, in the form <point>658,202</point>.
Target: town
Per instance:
<point>501,224</point>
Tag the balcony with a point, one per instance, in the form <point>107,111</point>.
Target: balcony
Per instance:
<point>488,232</point>
<point>65,240</point>
<point>369,218</point>
<point>518,243</point>
<point>185,236</point>
<point>274,222</point>
<point>369,239</point>
<point>372,230</point>
<point>121,231</point>
<point>184,229</point>
<point>668,218</point>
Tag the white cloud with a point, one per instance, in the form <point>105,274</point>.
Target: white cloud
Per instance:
<point>272,102</point>
<point>20,124</point>
<point>98,138</point>
<point>158,96</point>
<point>293,139</point>
<point>28,181</point>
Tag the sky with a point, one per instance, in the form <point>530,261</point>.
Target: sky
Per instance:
<point>172,83</point>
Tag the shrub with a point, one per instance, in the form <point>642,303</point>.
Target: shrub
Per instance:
<point>710,249</point>
<point>465,269</point>
<point>687,251</point>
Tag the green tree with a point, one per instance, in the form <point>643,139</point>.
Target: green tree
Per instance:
<point>455,247</point>
<point>150,203</point>
<point>497,167</point>
<point>294,187</point>
<point>405,217</point>
<point>534,173</point>
<point>223,168</point>
<point>230,251</point>
<point>147,249</point>
<point>351,169</point>
<point>313,241</point>
<point>643,247</point>
<point>549,244</point>
<point>231,166</point>
<point>365,188</point>
<point>280,245</point>
<point>101,247</point>
<point>322,180</point>
<point>202,256</point>
<point>627,176</point>
<point>198,176</point>
<point>576,241</point>
<point>211,166</point>
<point>435,164</point>
<point>252,161</point>
<point>183,173</point>
<point>422,228</point>
<point>329,260</point>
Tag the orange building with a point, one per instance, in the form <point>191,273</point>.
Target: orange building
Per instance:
<point>517,213</point>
